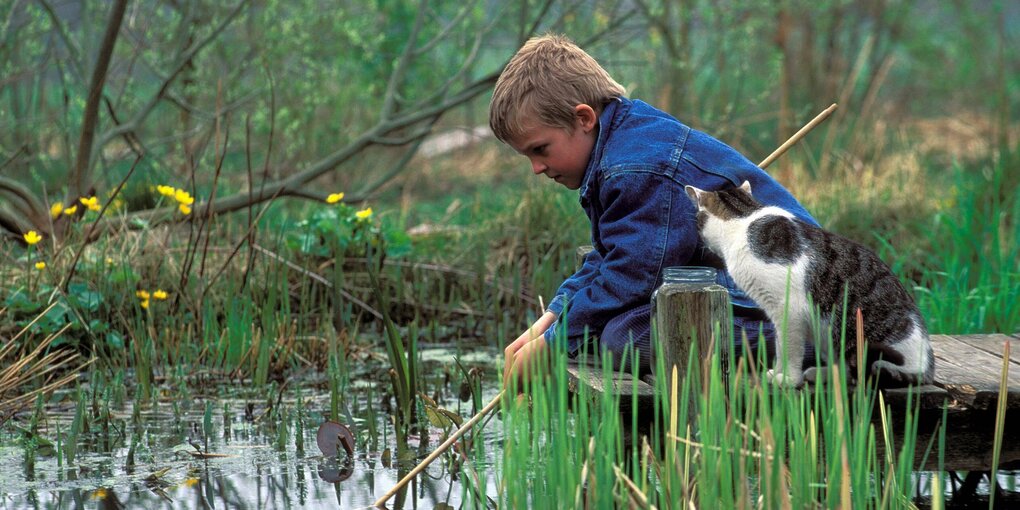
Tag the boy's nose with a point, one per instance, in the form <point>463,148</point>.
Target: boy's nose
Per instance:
<point>537,167</point>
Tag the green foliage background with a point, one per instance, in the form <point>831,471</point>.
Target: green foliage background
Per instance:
<point>919,161</point>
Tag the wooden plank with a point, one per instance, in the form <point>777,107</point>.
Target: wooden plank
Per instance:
<point>622,384</point>
<point>971,375</point>
<point>993,344</point>
<point>929,396</point>
<point>969,440</point>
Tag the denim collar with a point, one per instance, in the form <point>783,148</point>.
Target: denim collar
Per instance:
<point>608,121</point>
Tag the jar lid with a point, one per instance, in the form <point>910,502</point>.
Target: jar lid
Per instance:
<point>688,274</point>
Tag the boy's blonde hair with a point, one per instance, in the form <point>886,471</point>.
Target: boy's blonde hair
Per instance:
<point>545,80</point>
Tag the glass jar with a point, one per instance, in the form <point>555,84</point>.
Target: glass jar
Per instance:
<point>690,308</point>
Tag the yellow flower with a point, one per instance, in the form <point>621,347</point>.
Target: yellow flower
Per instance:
<point>185,209</point>
<point>190,482</point>
<point>334,198</point>
<point>159,294</point>
<point>364,214</point>
<point>99,494</point>
<point>32,237</point>
<point>40,265</point>
<point>56,209</point>
<point>71,210</point>
<point>109,261</point>
<point>91,202</point>
<point>183,197</point>
<point>166,191</point>
<point>144,304</point>
<point>142,294</point>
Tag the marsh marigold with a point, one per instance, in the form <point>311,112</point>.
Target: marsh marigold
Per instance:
<point>334,198</point>
<point>364,214</point>
<point>32,237</point>
<point>92,203</point>
<point>183,197</point>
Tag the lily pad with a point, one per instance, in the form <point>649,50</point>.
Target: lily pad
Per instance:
<point>332,436</point>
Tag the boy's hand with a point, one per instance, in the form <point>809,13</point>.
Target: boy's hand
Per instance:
<point>529,361</point>
<point>527,356</point>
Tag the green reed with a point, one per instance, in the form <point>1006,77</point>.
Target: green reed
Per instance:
<point>971,282</point>
<point>746,445</point>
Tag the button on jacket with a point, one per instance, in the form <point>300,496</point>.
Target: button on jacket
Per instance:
<point>642,220</point>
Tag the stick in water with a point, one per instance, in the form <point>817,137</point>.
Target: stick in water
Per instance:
<point>439,451</point>
<point>797,136</point>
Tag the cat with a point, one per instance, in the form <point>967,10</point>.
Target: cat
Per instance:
<point>791,269</point>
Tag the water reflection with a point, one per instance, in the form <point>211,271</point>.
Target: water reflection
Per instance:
<point>152,458</point>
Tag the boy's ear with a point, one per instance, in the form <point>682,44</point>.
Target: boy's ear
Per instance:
<point>694,194</point>
<point>585,117</point>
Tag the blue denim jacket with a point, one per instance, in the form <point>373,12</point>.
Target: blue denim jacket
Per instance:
<point>642,220</point>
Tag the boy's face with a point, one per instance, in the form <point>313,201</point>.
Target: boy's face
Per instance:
<point>560,154</point>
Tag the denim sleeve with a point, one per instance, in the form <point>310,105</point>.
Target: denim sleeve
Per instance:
<point>643,212</point>
<point>579,279</point>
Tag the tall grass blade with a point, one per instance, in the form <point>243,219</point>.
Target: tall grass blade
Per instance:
<point>1000,422</point>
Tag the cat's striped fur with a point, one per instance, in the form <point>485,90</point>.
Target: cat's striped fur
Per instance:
<point>771,255</point>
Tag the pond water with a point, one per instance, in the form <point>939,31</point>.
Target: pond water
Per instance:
<point>153,457</point>
<point>257,468</point>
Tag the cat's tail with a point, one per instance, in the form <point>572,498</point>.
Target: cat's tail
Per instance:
<point>907,362</point>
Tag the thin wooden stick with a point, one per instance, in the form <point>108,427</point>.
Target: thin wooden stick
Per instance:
<point>797,136</point>
<point>439,451</point>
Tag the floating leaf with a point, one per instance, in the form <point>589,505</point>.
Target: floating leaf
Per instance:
<point>333,436</point>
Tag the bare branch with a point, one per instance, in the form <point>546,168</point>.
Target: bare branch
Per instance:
<point>27,203</point>
<point>418,121</point>
<point>12,223</point>
<point>92,227</point>
<point>389,100</point>
<point>318,278</point>
<point>445,31</point>
<point>6,28</point>
<point>457,76</point>
<point>400,166</point>
<point>91,114</point>
<point>182,60</point>
<point>537,21</point>
<point>416,135</point>
<point>72,48</point>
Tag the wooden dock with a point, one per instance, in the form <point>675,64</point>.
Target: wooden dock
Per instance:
<point>968,370</point>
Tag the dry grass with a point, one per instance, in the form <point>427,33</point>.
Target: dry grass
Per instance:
<point>26,372</point>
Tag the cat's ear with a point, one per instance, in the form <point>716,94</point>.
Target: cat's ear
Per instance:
<point>694,194</point>
<point>746,186</point>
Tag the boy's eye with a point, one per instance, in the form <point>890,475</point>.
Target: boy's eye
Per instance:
<point>539,150</point>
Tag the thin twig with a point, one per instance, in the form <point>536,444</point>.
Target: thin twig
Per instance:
<point>798,135</point>
<point>439,451</point>
<point>319,278</point>
<point>92,226</point>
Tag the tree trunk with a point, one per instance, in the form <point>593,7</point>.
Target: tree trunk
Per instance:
<point>79,178</point>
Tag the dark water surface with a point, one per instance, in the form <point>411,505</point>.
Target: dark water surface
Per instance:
<point>258,469</point>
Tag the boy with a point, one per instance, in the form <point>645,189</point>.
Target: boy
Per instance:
<point>555,105</point>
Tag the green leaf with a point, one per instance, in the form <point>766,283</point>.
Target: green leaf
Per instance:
<point>115,340</point>
<point>124,275</point>
<point>81,296</point>
<point>19,301</point>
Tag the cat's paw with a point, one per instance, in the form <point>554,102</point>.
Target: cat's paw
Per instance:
<point>811,375</point>
<point>784,379</point>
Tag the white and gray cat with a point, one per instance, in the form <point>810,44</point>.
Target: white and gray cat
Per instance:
<point>774,257</point>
